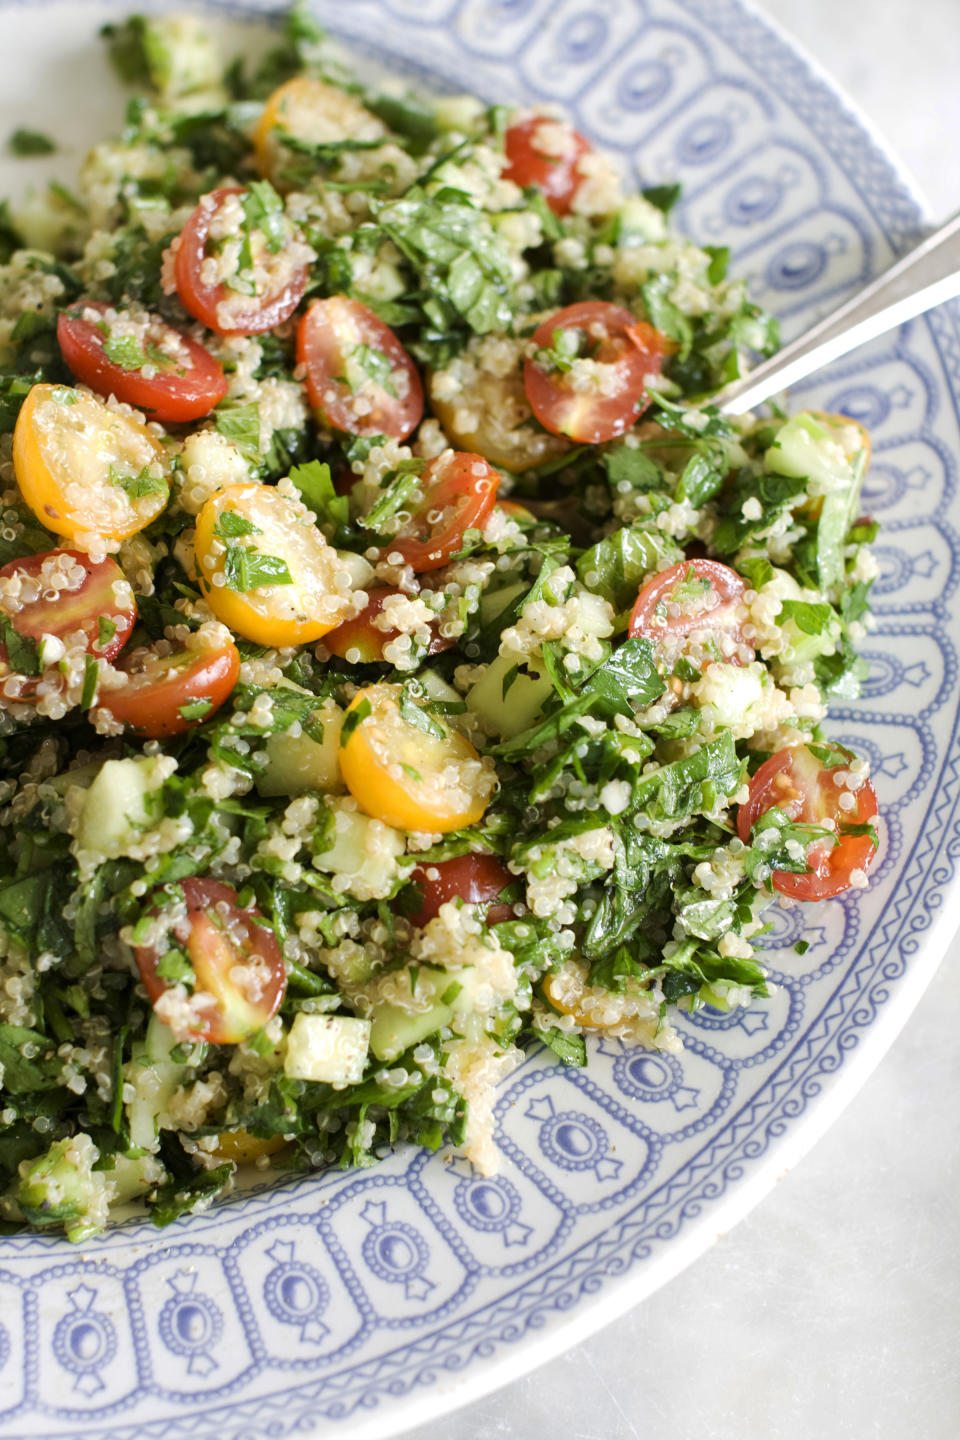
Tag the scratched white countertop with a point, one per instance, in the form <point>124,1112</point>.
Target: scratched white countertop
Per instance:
<point>832,1311</point>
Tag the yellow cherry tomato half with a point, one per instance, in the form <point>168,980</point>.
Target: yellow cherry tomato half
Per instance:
<point>314,112</point>
<point>85,468</point>
<point>405,766</point>
<point>266,570</point>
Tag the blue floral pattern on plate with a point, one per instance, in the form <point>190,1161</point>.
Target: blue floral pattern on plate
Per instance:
<point>365,1298</point>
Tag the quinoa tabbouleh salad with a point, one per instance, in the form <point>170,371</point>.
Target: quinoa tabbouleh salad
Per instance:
<point>402,663</point>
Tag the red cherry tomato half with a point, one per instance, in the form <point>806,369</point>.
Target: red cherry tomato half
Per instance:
<point>478,879</point>
<point>66,594</point>
<point>810,792</point>
<point>612,398</point>
<point>458,491</point>
<point>359,377</point>
<point>188,382</point>
<point>203,300</point>
<point>545,153</point>
<point>360,641</point>
<point>237,962</point>
<point>694,597</point>
<point>166,695</point>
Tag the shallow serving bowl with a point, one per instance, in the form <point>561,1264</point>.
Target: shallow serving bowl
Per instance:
<point>376,1300</point>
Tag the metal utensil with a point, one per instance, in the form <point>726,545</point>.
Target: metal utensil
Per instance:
<point>927,276</point>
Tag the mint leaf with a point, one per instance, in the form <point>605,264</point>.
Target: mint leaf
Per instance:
<point>22,654</point>
<point>125,351</point>
<point>195,709</point>
<point>264,211</point>
<point>230,526</point>
<point>416,716</point>
<point>249,570</point>
<point>315,484</point>
<point>240,424</point>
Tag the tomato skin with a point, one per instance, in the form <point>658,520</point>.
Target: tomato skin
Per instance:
<point>337,325</point>
<point>463,488</point>
<point>219,936</point>
<point>151,702</point>
<point>648,617</point>
<point>557,176</point>
<point>795,781</point>
<point>202,301</point>
<point>477,879</point>
<point>360,634</point>
<point>75,610</point>
<point>629,346</point>
<point>409,779</point>
<point>170,397</point>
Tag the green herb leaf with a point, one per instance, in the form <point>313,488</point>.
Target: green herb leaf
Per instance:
<point>264,211</point>
<point>23,656</point>
<point>240,424</point>
<point>106,630</point>
<point>250,570</point>
<point>125,351</point>
<point>195,709</point>
<point>315,484</point>
<point>231,525</point>
<point>354,717</point>
<point>569,1049</point>
<point>30,142</point>
<point>416,715</point>
<point>138,486</point>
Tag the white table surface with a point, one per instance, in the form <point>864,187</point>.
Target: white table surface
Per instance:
<point>832,1312</point>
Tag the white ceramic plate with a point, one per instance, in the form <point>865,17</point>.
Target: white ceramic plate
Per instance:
<point>374,1301</point>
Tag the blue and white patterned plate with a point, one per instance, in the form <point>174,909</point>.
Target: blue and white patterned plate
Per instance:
<point>376,1300</point>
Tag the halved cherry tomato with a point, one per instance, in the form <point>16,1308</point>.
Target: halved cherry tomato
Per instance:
<point>545,153</point>
<point>66,594</point>
<point>216,305</point>
<point>265,569</point>
<point>458,491</point>
<point>87,469</point>
<point>187,382</point>
<point>478,879</point>
<point>167,694</point>
<point>308,109</point>
<point>237,962</point>
<point>586,404</point>
<point>361,641</point>
<point>414,776</point>
<point>359,377</point>
<point>694,596</point>
<point>810,792</point>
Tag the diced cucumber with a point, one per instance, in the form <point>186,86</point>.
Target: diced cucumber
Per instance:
<point>120,805</point>
<point>495,602</point>
<point>298,763</point>
<point>732,691</point>
<point>130,1177</point>
<point>507,715</point>
<point>394,1030</point>
<point>154,1077</point>
<point>830,452</point>
<point>363,850</point>
<point>61,1187</point>
<point>436,688</point>
<point>330,1048</point>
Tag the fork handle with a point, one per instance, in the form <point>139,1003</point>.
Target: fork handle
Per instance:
<point>927,276</point>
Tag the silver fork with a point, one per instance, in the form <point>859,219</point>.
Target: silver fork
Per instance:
<point>927,276</point>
